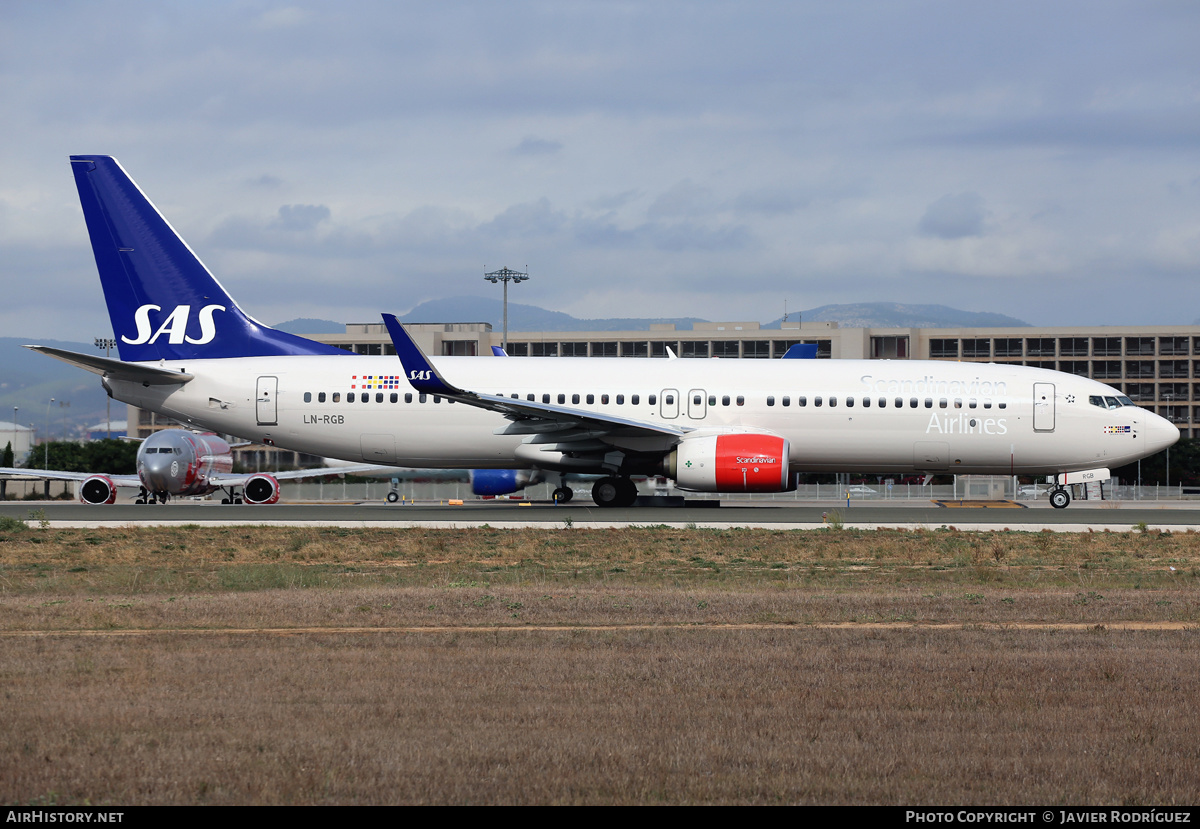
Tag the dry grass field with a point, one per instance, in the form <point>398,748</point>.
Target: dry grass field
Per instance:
<point>224,665</point>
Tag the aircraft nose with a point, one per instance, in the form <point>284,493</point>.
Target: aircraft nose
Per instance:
<point>156,472</point>
<point>1160,433</point>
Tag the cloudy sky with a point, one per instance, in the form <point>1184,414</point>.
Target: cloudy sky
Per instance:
<point>1039,159</point>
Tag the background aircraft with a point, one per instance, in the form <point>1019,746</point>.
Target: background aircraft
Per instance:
<point>180,463</point>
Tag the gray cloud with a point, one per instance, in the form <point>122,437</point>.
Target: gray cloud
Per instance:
<point>537,146</point>
<point>301,217</point>
<point>954,217</point>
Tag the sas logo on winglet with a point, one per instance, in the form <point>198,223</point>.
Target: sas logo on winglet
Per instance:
<point>175,325</point>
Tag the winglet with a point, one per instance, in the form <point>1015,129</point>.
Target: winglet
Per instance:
<point>801,351</point>
<point>419,372</point>
<point>497,351</point>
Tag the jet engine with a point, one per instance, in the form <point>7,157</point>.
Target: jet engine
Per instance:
<point>502,481</point>
<point>734,462</point>
<point>98,489</point>
<point>261,489</point>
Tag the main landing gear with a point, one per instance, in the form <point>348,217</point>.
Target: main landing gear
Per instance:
<point>1059,498</point>
<point>145,497</point>
<point>614,492</point>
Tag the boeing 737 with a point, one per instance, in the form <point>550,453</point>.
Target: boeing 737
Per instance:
<point>189,352</point>
<point>177,463</point>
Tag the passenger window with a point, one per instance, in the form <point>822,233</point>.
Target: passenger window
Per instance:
<point>591,398</point>
<point>802,401</point>
<point>669,399</point>
<point>725,400</point>
<point>741,401</point>
<point>817,402</point>
<point>437,399</point>
<point>378,397</point>
<point>928,402</point>
<point>971,403</point>
<point>943,403</point>
<point>833,401</point>
<point>987,404</point>
<point>395,398</point>
<point>634,400</point>
<point>1001,405</point>
<point>787,401</point>
<point>529,397</point>
<point>712,400</point>
<point>308,397</point>
<point>651,399</point>
<point>337,397</point>
<point>604,399</point>
<point>321,397</point>
<point>574,398</point>
<point>408,397</point>
<point>545,398</point>
<point>883,402</point>
<point>866,402</point>
<point>850,402</point>
<point>562,398</point>
<point>770,400</point>
<point>620,400</point>
<point>421,398</point>
<point>958,402</point>
<point>350,397</point>
<point>913,402</point>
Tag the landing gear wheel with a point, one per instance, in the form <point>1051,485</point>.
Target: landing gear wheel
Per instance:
<point>393,497</point>
<point>1059,499</point>
<point>226,501</point>
<point>563,494</point>
<point>614,492</point>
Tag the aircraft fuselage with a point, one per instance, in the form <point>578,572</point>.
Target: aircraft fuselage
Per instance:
<point>838,415</point>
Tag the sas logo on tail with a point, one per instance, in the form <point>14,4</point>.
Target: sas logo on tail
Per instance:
<point>420,375</point>
<point>175,325</point>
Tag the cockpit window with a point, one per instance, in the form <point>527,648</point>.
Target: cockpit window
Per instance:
<point>1110,402</point>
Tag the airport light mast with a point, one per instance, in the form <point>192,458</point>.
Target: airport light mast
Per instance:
<point>505,275</point>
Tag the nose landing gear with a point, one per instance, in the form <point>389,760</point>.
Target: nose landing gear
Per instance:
<point>1059,498</point>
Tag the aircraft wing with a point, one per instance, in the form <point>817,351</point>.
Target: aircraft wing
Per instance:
<point>57,475</point>
<point>230,479</point>
<point>531,417</point>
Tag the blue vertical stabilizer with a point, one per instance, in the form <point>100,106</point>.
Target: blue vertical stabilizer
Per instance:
<point>163,302</point>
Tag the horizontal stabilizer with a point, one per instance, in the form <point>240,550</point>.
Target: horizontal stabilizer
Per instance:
<point>107,367</point>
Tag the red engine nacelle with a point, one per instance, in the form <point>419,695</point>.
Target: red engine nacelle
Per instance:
<point>98,489</point>
<point>738,462</point>
<point>261,489</point>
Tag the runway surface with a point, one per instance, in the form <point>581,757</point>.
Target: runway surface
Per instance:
<point>1079,517</point>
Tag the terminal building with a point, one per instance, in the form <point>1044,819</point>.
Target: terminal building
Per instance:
<point>1158,367</point>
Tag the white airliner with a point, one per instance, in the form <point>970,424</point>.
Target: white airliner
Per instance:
<point>189,352</point>
<point>180,463</point>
